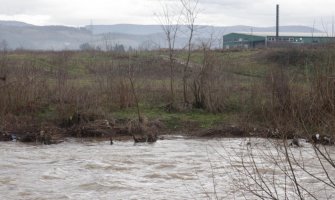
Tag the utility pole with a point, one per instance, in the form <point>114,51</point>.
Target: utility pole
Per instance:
<point>277,22</point>
<point>333,26</point>
<point>252,37</point>
<point>91,30</point>
<point>222,42</point>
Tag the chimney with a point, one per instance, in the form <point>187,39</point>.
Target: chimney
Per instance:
<point>277,22</point>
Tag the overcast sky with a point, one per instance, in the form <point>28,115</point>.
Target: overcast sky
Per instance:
<point>213,12</point>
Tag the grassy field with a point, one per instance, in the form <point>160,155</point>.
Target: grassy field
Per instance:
<point>262,87</point>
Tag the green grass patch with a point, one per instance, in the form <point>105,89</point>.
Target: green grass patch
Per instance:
<point>48,113</point>
<point>174,120</point>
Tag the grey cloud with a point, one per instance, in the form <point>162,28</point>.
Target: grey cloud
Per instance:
<point>214,12</point>
<point>13,7</point>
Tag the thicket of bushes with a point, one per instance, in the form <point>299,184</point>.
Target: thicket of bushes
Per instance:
<point>294,92</point>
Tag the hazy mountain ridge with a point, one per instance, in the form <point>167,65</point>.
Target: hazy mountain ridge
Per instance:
<point>152,29</point>
<point>14,23</point>
<point>27,36</point>
<point>43,37</point>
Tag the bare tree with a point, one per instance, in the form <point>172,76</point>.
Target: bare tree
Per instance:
<point>280,170</point>
<point>132,84</point>
<point>170,22</point>
<point>3,63</point>
<point>4,46</point>
<point>190,14</point>
<point>107,39</point>
<point>208,80</point>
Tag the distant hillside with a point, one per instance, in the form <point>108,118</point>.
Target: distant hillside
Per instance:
<point>14,23</point>
<point>27,36</point>
<point>126,29</point>
<point>204,30</point>
<point>19,35</point>
<point>283,29</point>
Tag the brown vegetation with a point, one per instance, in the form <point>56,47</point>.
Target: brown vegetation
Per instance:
<point>289,90</point>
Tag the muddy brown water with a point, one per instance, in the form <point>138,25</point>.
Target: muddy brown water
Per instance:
<point>174,168</point>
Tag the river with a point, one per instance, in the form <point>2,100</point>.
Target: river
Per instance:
<point>174,168</point>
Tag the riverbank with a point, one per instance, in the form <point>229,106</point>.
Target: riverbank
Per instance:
<point>119,129</point>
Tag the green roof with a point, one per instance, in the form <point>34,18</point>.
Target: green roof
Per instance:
<point>240,38</point>
<point>243,37</point>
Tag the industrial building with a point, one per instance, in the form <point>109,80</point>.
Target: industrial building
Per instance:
<point>240,40</point>
<point>245,41</point>
<point>298,40</point>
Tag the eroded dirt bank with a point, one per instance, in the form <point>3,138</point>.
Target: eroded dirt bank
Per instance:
<point>79,126</point>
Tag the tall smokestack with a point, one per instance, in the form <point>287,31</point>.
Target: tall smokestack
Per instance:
<point>277,22</point>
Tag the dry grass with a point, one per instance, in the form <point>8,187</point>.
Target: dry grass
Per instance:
<point>290,89</point>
